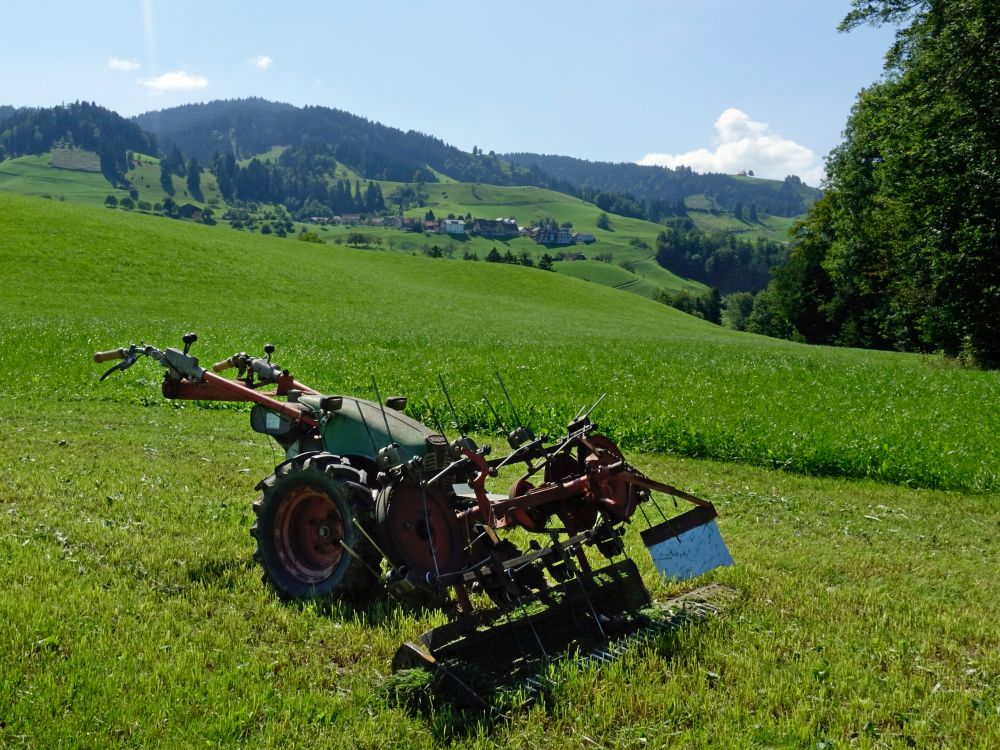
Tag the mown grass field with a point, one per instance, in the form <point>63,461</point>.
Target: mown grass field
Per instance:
<point>68,175</point>
<point>131,614</point>
<point>35,175</point>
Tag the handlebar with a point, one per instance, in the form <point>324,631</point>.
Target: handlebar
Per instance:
<point>112,354</point>
<point>265,370</point>
<point>183,365</point>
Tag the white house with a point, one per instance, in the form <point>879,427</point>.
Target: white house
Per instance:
<point>451,226</point>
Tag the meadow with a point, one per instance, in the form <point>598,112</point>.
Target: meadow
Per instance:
<point>858,492</point>
<point>626,248</point>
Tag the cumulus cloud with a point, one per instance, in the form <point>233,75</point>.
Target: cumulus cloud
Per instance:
<point>177,80</point>
<point>263,62</point>
<point>745,144</point>
<point>125,66</point>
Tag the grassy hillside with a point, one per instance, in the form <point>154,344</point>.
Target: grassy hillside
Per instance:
<point>629,244</point>
<point>131,614</point>
<point>69,175</point>
<point>674,383</point>
<point>35,175</point>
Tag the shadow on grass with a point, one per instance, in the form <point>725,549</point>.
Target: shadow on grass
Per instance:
<point>460,698</point>
<point>222,573</point>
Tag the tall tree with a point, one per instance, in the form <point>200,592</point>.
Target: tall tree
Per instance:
<point>194,180</point>
<point>910,237</point>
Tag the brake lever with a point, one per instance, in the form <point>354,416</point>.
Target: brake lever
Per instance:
<point>123,365</point>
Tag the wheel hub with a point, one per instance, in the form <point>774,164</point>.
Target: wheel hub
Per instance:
<point>308,533</point>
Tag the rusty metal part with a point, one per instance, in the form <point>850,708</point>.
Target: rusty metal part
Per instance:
<point>419,530</point>
<point>308,531</point>
<point>217,388</point>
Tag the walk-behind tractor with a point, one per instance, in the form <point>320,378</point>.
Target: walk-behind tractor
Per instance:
<point>371,502</point>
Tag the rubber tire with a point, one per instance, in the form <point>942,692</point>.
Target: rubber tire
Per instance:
<point>320,475</point>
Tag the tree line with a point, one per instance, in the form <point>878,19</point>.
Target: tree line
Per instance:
<point>84,125</point>
<point>719,259</point>
<point>646,184</point>
<point>300,181</point>
<point>903,252</point>
<point>244,127</point>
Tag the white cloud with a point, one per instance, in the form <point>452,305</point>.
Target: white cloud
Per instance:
<point>125,66</point>
<point>745,144</point>
<point>177,80</point>
<point>263,62</point>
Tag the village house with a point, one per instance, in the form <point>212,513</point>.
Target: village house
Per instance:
<point>452,226</point>
<point>547,236</point>
<point>190,211</point>
<point>584,237</point>
<point>496,229</point>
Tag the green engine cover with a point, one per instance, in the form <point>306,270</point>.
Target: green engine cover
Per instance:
<point>344,432</point>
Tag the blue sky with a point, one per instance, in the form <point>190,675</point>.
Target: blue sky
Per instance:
<point>717,84</point>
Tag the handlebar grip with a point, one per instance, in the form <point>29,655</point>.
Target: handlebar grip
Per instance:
<point>113,354</point>
<point>223,365</point>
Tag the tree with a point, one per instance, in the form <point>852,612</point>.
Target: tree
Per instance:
<point>545,262</point>
<point>111,201</point>
<point>312,237</point>
<point>602,221</point>
<point>429,216</point>
<point>910,235</point>
<point>194,180</point>
<point>736,308</point>
<point>127,203</point>
<point>166,180</point>
<point>766,319</point>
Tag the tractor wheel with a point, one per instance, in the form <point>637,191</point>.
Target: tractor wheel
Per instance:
<point>308,538</point>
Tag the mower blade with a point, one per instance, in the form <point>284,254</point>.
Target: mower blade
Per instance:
<point>688,545</point>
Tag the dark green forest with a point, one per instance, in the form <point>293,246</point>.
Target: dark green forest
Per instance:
<point>647,185</point>
<point>245,127</point>
<point>719,259</point>
<point>903,252</point>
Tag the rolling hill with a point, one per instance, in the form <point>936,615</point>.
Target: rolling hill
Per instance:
<point>300,163</point>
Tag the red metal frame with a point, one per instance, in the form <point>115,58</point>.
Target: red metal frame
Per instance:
<point>217,388</point>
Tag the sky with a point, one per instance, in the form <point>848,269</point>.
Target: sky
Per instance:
<point>718,85</point>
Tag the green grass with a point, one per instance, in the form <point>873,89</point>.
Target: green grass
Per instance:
<point>71,179</point>
<point>771,227</point>
<point>77,159</point>
<point>131,613</point>
<point>132,616</point>
<point>675,383</point>
<point>35,175</point>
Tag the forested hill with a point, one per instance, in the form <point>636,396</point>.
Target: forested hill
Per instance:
<point>245,127</point>
<point>6,111</point>
<point>790,197</point>
<point>81,124</point>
